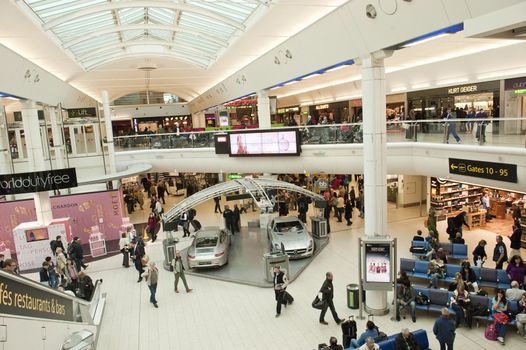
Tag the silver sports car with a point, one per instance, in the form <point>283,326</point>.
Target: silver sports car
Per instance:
<point>210,248</point>
<point>293,234</point>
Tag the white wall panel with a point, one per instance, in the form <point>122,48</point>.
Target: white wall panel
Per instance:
<point>22,78</point>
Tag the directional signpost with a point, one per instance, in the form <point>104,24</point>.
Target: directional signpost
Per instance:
<point>486,170</point>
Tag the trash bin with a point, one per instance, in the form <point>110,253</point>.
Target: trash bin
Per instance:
<point>270,260</point>
<point>319,227</point>
<point>169,249</point>
<point>353,292</point>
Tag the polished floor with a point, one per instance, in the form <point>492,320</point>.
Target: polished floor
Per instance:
<point>225,315</point>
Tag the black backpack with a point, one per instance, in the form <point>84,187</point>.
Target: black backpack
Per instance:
<point>421,299</point>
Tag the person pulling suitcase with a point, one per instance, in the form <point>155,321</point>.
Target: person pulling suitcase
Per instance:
<point>281,281</point>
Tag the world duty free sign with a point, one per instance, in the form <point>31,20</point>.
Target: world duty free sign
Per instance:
<point>38,181</point>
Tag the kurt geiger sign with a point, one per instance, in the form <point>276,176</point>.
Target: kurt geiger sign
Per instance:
<point>38,181</point>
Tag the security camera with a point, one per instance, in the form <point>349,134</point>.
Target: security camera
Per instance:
<point>370,11</point>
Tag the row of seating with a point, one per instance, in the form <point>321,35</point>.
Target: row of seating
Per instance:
<point>486,277</point>
<point>456,251</point>
<point>390,342</point>
<point>441,298</point>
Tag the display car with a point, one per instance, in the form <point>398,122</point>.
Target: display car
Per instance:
<point>209,248</point>
<point>292,233</point>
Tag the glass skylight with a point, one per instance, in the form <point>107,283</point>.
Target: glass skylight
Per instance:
<point>100,31</point>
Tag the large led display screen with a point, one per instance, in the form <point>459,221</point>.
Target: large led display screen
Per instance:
<point>268,143</point>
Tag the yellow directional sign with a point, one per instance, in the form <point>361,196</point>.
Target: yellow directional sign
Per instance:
<point>486,170</point>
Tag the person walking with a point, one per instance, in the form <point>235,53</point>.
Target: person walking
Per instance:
<point>161,191</point>
<point>444,330</point>
<point>515,240</point>
<point>152,277</point>
<point>217,201</point>
<point>451,127</point>
<point>228,215</point>
<point>139,196</point>
<point>237,218</point>
<point>327,291</point>
<point>56,243</point>
<point>479,253</point>
<point>340,207</point>
<point>280,281</point>
<point>123,247</point>
<point>61,264</point>
<point>500,254</point>
<point>178,268</point>
<point>348,212</point>
<point>76,253</point>
<point>138,255</point>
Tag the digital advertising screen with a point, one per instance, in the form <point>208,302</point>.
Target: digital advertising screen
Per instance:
<point>285,143</point>
<point>377,262</point>
<point>37,234</point>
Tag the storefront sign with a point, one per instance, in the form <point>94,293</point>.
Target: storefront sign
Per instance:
<point>21,299</point>
<point>520,91</point>
<point>38,181</point>
<point>234,176</point>
<point>462,89</point>
<point>325,106</point>
<point>515,84</point>
<point>486,170</point>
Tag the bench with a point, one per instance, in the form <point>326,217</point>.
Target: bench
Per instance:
<point>486,277</point>
<point>390,343</point>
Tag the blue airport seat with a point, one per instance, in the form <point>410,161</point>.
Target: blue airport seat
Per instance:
<point>488,278</point>
<point>407,265</point>
<point>503,281</point>
<point>424,291</point>
<point>438,299</point>
<point>451,270</point>
<point>419,244</point>
<point>421,269</point>
<point>448,247</point>
<point>460,251</point>
<point>421,339</point>
<point>476,270</point>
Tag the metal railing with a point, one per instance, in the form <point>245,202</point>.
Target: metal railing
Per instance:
<point>509,132</point>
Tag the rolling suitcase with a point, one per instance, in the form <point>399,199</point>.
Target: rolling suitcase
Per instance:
<point>349,331</point>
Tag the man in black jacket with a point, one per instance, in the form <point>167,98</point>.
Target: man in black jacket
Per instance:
<point>406,341</point>
<point>76,253</point>
<point>327,291</point>
<point>57,243</point>
<point>515,240</point>
<point>228,215</point>
<point>280,285</point>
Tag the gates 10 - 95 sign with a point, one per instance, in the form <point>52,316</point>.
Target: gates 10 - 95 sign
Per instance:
<point>38,181</point>
<point>487,170</point>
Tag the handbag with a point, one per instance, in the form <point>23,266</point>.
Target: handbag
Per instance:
<point>318,303</point>
<point>501,318</point>
<point>491,332</point>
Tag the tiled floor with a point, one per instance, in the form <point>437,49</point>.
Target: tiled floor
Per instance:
<point>223,315</point>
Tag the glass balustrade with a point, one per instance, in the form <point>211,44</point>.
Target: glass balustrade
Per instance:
<point>504,132</point>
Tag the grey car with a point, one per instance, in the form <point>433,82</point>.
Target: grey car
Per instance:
<point>210,248</point>
<point>293,234</point>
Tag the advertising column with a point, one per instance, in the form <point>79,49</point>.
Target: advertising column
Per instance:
<point>374,150</point>
<point>36,157</point>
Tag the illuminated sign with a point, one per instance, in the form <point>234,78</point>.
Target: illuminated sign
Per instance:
<point>486,170</point>
<point>325,106</point>
<point>234,176</point>
<point>521,91</point>
<point>462,89</point>
<point>38,181</point>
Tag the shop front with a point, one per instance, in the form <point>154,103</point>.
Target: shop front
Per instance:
<point>462,99</point>
<point>287,116</point>
<point>241,113</point>
<point>336,112</point>
<point>515,106</point>
<point>495,212</point>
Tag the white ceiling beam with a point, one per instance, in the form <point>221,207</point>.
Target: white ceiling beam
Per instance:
<point>126,56</point>
<point>188,50</point>
<point>140,4</point>
<point>122,28</point>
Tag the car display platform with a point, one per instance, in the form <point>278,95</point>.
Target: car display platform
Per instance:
<point>245,263</point>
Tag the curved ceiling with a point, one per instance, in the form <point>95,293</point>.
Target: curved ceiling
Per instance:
<point>95,32</point>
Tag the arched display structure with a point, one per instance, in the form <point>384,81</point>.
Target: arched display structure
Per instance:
<point>256,188</point>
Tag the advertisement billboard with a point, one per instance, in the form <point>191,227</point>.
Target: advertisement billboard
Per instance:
<point>378,262</point>
<point>264,143</point>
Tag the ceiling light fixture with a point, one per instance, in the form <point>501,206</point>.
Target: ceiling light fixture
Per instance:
<point>398,89</point>
<point>310,76</point>
<point>418,42</point>
<point>452,81</point>
<point>290,82</point>
<point>336,68</point>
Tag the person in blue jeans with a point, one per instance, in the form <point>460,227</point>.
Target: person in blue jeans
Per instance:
<point>451,127</point>
<point>406,297</point>
<point>370,331</point>
<point>500,306</point>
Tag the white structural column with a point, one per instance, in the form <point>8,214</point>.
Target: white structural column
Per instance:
<point>5,157</point>
<point>374,158</point>
<point>198,120</point>
<point>109,131</point>
<point>36,160</point>
<point>263,109</point>
<point>58,140</point>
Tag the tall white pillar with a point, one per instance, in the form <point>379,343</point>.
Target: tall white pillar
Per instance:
<point>5,157</point>
<point>374,158</point>
<point>198,120</point>
<point>58,141</point>
<point>109,131</point>
<point>263,109</point>
<point>35,155</point>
